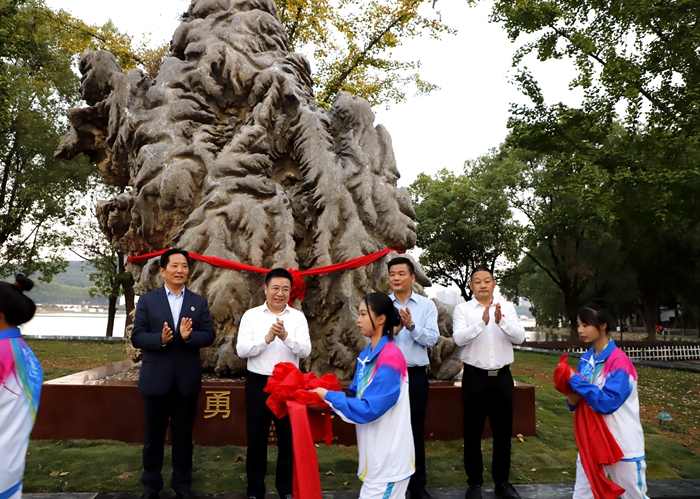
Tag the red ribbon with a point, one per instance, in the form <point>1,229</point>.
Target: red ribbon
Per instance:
<point>596,445</point>
<point>289,394</point>
<point>298,284</point>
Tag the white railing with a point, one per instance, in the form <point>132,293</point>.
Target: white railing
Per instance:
<point>656,352</point>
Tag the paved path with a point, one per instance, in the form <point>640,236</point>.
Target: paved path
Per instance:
<point>658,489</point>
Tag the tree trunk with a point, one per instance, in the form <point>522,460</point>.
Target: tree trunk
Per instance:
<point>128,288</point>
<point>651,303</point>
<point>571,306</point>
<point>110,316</point>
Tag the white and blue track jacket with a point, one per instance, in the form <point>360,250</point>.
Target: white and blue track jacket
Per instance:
<point>610,388</point>
<point>377,402</point>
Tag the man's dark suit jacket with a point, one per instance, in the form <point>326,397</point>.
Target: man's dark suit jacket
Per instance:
<point>177,361</point>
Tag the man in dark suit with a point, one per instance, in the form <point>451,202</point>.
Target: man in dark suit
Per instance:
<point>170,326</point>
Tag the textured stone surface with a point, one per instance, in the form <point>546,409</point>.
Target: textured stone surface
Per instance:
<point>225,153</point>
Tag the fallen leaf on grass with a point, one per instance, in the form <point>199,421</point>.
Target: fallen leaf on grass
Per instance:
<point>53,473</point>
<point>564,472</point>
<point>239,459</point>
<point>125,475</point>
<point>520,437</point>
<point>329,472</point>
<point>533,469</point>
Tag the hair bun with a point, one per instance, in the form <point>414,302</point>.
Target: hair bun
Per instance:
<point>24,283</point>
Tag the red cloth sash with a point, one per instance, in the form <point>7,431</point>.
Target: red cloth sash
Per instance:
<point>298,286</point>
<point>288,388</point>
<point>596,445</point>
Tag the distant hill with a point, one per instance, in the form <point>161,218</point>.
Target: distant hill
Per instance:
<point>70,287</point>
<point>75,275</point>
<point>524,310</point>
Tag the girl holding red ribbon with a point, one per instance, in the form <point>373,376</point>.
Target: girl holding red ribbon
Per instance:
<point>606,382</point>
<point>377,403</point>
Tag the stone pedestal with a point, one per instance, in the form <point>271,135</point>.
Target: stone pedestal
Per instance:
<point>86,405</point>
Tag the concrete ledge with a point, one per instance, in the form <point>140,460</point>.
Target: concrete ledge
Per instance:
<point>658,489</point>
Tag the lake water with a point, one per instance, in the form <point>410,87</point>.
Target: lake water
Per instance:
<point>72,324</point>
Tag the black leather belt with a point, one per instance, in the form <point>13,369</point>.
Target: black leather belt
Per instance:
<point>486,372</point>
<point>256,375</point>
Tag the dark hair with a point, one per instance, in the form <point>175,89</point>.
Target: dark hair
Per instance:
<point>480,268</point>
<point>400,260</point>
<point>595,314</point>
<point>381,304</point>
<point>279,273</point>
<point>14,304</point>
<point>165,257</point>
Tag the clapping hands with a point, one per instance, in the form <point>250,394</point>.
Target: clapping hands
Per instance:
<point>497,315</point>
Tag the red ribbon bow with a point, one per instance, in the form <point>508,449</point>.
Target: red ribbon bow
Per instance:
<point>289,394</point>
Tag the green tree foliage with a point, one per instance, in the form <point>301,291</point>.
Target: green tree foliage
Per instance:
<point>558,189</point>
<point>351,44</point>
<point>40,196</point>
<point>464,221</point>
<point>633,143</point>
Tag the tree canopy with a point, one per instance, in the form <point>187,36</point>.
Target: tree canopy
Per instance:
<point>41,196</point>
<point>464,221</point>
<point>351,43</point>
<point>630,151</point>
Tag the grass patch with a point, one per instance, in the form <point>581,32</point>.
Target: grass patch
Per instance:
<point>107,466</point>
<point>62,357</point>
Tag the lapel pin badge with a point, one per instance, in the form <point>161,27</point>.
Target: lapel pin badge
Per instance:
<point>192,308</point>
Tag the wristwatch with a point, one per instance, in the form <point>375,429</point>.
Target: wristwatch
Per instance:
<point>411,327</point>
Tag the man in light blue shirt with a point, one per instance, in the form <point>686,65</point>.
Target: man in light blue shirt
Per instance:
<point>418,332</point>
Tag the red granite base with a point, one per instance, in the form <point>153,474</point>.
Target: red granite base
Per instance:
<point>85,405</point>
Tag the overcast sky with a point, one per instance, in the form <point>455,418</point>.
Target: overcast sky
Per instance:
<point>462,120</point>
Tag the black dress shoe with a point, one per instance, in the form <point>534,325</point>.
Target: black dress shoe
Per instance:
<point>420,495</point>
<point>473,492</point>
<point>506,491</point>
<point>149,495</point>
<point>184,494</point>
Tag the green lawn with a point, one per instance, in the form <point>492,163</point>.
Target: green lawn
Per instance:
<point>108,466</point>
<point>62,357</point>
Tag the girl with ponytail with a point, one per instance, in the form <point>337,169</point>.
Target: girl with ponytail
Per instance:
<point>20,385</point>
<point>377,403</point>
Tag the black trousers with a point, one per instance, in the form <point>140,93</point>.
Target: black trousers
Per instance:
<point>418,398</point>
<point>258,420</point>
<point>492,396</point>
<point>179,411</point>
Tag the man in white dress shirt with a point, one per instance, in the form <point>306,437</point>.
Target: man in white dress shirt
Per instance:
<point>271,333</point>
<point>486,330</point>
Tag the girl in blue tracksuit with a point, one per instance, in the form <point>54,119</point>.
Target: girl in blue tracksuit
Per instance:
<point>608,383</point>
<point>377,403</point>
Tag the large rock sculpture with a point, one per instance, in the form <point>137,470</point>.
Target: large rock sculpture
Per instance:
<point>225,153</point>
